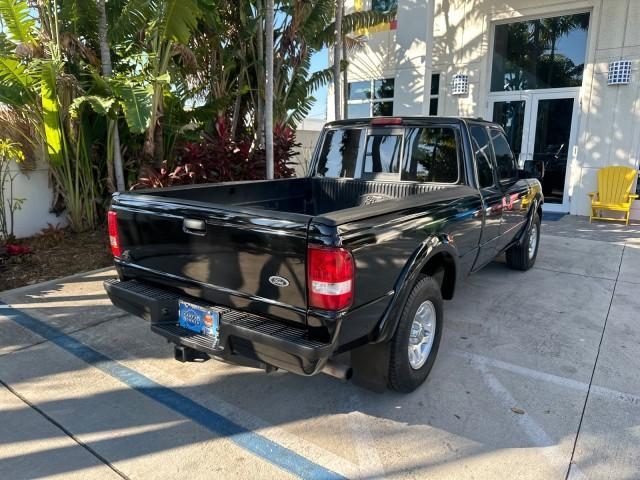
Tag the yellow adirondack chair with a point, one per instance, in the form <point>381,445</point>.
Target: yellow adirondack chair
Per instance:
<point>614,192</point>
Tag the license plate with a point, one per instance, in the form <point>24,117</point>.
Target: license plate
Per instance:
<point>199,319</point>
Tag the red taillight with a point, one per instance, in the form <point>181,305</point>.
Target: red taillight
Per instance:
<point>330,275</point>
<point>386,121</point>
<point>114,238</point>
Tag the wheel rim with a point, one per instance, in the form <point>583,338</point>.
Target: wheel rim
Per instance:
<point>423,332</point>
<point>533,240</point>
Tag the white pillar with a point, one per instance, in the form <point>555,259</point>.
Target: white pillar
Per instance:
<point>414,54</point>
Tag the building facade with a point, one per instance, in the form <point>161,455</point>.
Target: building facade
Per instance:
<point>563,78</point>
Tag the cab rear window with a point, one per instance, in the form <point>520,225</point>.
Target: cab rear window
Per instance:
<point>417,154</point>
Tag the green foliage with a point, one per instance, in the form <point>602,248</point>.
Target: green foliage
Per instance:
<point>136,103</point>
<point>178,18</point>
<point>51,114</point>
<point>100,105</point>
<point>79,16</point>
<point>9,151</point>
<point>13,73</point>
<point>17,20</point>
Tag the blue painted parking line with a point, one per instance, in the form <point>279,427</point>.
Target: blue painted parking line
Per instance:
<point>255,443</point>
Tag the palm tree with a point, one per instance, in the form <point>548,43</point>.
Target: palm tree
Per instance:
<point>268,89</point>
<point>337,54</point>
<point>105,57</point>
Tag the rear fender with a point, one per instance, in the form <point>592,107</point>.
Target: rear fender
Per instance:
<point>410,274</point>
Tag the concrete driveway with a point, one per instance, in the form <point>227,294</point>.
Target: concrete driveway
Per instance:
<point>538,377</point>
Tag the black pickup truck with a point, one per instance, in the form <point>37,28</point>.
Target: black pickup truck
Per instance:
<point>356,257</point>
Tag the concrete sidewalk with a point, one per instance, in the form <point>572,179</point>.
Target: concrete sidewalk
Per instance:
<point>90,392</point>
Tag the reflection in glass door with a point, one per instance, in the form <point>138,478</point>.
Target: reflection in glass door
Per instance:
<point>553,120</point>
<point>511,115</point>
<point>539,128</point>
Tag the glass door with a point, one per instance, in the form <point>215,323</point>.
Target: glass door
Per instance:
<point>512,112</point>
<point>550,144</point>
<point>540,128</point>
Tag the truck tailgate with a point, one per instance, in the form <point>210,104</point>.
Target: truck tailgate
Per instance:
<point>229,261</point>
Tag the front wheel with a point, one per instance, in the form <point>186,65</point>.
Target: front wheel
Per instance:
<point>522,256</point>
<point>415,344</point>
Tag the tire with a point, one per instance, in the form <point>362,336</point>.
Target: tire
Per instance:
<point>522,256</point>
<point>403,376</point>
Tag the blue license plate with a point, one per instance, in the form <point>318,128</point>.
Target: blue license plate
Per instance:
<point>199,319</point>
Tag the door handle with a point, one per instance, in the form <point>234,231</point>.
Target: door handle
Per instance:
<point>194,226</point>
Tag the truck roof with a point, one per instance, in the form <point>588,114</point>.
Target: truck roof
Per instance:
<point>400,120</point>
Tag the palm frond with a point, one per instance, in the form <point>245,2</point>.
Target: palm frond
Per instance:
<point>14,73</point>
<point>51,114</point>
<point>136,100</point>
<point>18,21</point>
<point>353,22</point>
<point>178,19</point>
<point>128,21</point>
<point>80,16</point>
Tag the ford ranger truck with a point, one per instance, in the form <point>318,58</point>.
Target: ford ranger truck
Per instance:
<point>356,258</point>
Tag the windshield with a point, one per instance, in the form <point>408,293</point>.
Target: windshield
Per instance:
<point>422,154</point>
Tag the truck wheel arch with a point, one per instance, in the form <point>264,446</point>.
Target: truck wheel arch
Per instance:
<point>442,267</point>
<point>436,258</point>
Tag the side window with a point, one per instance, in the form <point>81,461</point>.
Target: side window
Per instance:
<point>505,160</point>
<point>482,151</point>
<point>431,155</point>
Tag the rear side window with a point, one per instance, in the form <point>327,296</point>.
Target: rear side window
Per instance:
<point>340,152</point>
<point>482,152</point>
<point>505,161</point>
<point>382,154</point>
<point>431,155</point>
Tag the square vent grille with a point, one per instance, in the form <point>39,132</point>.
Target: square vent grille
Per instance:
<point>619,72</point>
<point>460,84</point>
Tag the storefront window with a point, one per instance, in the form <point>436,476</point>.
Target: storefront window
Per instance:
<point>543,53</point>
<point>370,98</point>
<point>433,97</point>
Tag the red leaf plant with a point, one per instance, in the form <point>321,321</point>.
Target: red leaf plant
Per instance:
<point>219,158</point>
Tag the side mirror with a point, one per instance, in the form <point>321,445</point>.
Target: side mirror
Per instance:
<point>533,169</point>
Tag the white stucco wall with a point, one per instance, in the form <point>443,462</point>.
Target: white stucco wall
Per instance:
<point>34,215</point>
<point>608,123</point>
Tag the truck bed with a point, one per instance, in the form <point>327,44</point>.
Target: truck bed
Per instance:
<point>311,196</point>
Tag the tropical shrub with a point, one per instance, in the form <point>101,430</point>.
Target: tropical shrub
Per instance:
<point>9,204</point>
<point>221,158</point>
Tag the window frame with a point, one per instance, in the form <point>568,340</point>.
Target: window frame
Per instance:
<point>387,132</point>
<point>372,100</point>
<point>396,177</point>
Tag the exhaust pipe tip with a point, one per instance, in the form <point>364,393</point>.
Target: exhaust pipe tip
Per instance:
<point>338,370</point>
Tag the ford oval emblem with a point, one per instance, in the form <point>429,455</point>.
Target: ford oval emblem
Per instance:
<point>278,281</point>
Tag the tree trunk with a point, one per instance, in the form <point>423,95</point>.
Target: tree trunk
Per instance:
<point>268,89</point>
<point>345,84</point>
<point>105,57</point>
<point>260,71</point>
<point>337,55</point>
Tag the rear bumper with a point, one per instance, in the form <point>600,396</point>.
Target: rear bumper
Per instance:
<point>241,334</point>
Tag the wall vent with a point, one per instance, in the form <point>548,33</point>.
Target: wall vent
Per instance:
<point>460,84</point>
<point>619,72</point>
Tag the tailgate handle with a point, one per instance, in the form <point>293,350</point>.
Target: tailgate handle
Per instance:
<point>192,225</point>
